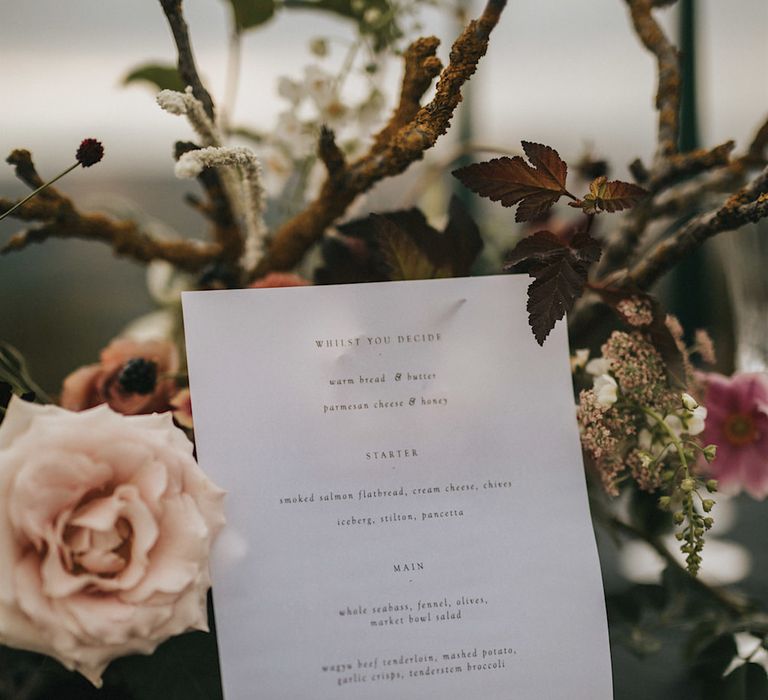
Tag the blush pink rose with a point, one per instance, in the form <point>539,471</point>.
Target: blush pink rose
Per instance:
<point>100,383</point>
<point>106,523</point>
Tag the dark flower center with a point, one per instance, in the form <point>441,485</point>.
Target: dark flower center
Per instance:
<point>138,376</point>
<point>740,429</point>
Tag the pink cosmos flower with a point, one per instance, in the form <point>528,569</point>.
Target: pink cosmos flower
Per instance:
<point>737,423</point>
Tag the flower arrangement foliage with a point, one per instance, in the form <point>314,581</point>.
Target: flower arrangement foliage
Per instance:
<point>107,520</point>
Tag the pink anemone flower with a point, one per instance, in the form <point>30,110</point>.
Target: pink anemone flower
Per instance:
<point>737,423</point>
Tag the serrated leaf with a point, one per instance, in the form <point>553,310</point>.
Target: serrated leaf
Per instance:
<point>585,247</point>
<point>251,13</point>
<point>540,246</point>
<point>361,251</point>
<point>553,293</point>
<point>405,259</point>
<point>561,273</point>
<point>163,77</point>
<point>535,186</point>
<point>610,195</point>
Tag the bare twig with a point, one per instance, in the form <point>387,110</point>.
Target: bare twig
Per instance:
<point>665,173</point>
<point>60,219</point>
<point>186,59</point>
<point>685,196</point>
<point>746,206</point>
<point>404,146</point>
<point>668,93</point>
<point>330,153</point>
<point>756,153</point>
<point>683,165</point>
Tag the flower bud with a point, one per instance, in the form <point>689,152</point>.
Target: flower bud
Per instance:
<point>689,402</point>
<point>708,523</point>
<point>710,452</point>
<point>712,485</point>
<point>707,504</point>
<point>678,517</point>
<point>664,502</point>
<point>688,485</point>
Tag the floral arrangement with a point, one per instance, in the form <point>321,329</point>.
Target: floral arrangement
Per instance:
<point>107,521</point>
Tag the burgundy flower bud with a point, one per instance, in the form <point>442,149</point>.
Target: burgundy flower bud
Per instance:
<point>89,153</point>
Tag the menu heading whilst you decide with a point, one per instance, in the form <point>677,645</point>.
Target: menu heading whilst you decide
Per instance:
<point>388,450</point>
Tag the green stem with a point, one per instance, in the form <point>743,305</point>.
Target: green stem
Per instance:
<point>722,597</point>
<point>690,510</point>
<point>39,189</point>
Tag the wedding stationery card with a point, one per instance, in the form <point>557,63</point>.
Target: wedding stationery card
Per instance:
<point>407,516</point>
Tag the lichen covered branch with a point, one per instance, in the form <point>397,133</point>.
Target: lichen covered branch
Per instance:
<point>393,153</point>
<point>668,92</point>
<point>422,66</point>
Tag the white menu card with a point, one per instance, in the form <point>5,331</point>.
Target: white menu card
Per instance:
<point>407,516</point>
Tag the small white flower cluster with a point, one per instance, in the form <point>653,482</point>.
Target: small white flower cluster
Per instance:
<point>688,420</point>
<point>604,385</point>
<point>316,100</point>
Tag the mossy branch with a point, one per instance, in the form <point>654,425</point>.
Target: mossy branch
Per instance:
<point>396,146</point>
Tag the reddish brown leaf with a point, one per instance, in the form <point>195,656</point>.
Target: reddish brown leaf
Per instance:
<point>403,257</point>
<point>553,293</point>
<point>560,272</point>
<point>536,187</point>
<point>610,196</point>
<point>538,247</point>
<point>361,251</point>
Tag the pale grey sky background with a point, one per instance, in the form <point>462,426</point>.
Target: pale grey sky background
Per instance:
<point>559,72</point>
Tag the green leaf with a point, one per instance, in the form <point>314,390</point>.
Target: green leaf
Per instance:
<point>163,77</point>
<point>251,13</point>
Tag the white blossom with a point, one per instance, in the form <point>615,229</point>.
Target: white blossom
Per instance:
<point>689,402</point>
<point>606,390</point>
<point>697,420</point>
<point>598,366</point>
